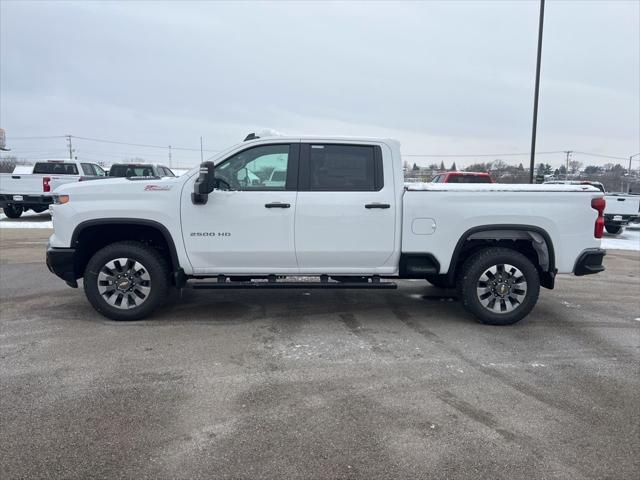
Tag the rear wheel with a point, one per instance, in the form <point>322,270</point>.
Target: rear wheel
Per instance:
<point>613,229</point>
<point>13,211</point>
<point>499,286</point>
<point>126,281</point>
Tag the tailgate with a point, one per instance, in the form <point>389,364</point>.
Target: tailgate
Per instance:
<point>622,205</point>
<point>21,184</point>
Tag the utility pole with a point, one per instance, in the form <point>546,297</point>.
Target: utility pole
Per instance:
<point>169,156</point>
<point>202,155</point>
<point>536,94</point>
<point>629,172</point>
<point>70,147</point>
<point>568,152</point>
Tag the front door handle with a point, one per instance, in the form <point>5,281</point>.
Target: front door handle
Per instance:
<point>377,205</point>
<point>277,205</point>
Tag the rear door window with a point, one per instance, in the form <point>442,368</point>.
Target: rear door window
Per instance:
<point>55,168</point>
<point>339,168</point>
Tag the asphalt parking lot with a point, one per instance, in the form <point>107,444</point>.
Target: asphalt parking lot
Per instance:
<point>318,384</point>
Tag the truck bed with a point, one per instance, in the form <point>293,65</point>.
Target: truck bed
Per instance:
<point>434,214</point>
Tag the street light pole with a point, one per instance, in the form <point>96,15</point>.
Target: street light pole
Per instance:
<point>536,93</point>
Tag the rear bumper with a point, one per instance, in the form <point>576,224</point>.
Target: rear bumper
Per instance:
<point>25,200</point>
<point>619,220</point>
<point>61,261</point>
<point>590,262</point>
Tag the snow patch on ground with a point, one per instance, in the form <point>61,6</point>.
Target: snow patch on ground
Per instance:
<point>27,220</point>
<point>627,240</point>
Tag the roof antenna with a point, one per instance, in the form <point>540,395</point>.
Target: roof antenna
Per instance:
<point>251,136</point>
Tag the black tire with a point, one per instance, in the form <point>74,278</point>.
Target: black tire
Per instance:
<point>440,281</point>
<point>13,211</point>
<point>155,268</point>
<point>525,278</point>
<point>613,229</point>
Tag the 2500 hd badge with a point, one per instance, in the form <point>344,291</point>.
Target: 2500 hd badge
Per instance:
<point>210,234</point>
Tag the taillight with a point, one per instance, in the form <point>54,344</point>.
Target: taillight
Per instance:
<point>45,184</point>
<point>598,204</point>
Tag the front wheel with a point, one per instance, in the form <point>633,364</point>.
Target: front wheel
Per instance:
<point>613,229</point>
<point>499,286</point>
<point>126,280</point>
<point>13,211</point>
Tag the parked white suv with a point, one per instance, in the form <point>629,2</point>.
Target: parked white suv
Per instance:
<point>342,215</point>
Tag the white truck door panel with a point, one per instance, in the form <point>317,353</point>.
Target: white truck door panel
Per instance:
<point>250,228</point>
<point>345,215</point>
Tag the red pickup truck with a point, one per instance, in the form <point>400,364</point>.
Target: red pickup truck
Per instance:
<point>462,177</point>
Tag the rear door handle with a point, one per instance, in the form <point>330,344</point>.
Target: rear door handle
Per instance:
<point>377,205</point>
<point>277,205</point>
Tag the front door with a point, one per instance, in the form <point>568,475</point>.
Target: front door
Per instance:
<point>346,211</point>
<point>249,227</point>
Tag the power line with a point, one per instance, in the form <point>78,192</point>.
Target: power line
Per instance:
<point>36,138</point>
<point>601,155</point>
<point>139,144</point>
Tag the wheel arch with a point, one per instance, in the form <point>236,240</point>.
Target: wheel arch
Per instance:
<point>91,235</point>
<point>541,250</point>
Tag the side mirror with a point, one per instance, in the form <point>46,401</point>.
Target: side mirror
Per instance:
<point>204,185</point>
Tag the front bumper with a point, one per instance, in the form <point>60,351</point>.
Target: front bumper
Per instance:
<point>61,261</point>
<point>590,262</point>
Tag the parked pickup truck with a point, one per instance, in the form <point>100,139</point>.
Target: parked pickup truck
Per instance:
<point>139,170</point>
<point>621,208</point>
<point>20,192</point>
<point>462,177</point>
<point>341,215</point>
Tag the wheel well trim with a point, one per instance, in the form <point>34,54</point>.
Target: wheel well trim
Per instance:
<point>173,252</point>
<point>501,226</point>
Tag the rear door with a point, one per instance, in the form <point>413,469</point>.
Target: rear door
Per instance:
<point>345,216</point>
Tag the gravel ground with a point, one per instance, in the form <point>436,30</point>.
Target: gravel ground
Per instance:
<point>320,384</point>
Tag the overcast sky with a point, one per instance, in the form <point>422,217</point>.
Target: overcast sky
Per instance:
<point>451,77</point>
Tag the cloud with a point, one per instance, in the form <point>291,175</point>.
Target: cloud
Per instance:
<point>442,77</point>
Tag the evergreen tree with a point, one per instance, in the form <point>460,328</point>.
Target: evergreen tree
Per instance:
<point>453,167</point>
<point>442,167</point>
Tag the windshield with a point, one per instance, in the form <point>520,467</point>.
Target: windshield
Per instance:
<point>56,168</point>
<point>131,171</point>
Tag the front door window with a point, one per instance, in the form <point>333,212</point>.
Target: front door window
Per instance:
<point>261,168</point>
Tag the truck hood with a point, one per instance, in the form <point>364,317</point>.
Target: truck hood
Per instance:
<point>120,185</point>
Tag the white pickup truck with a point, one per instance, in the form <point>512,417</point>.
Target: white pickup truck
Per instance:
<point>20,192</point>
<point>341,216</point>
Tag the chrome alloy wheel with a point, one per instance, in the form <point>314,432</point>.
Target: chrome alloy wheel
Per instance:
<point>501,288</point>
<point>124,283</point>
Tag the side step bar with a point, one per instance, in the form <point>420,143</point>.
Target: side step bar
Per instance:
<point>271,283</point>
